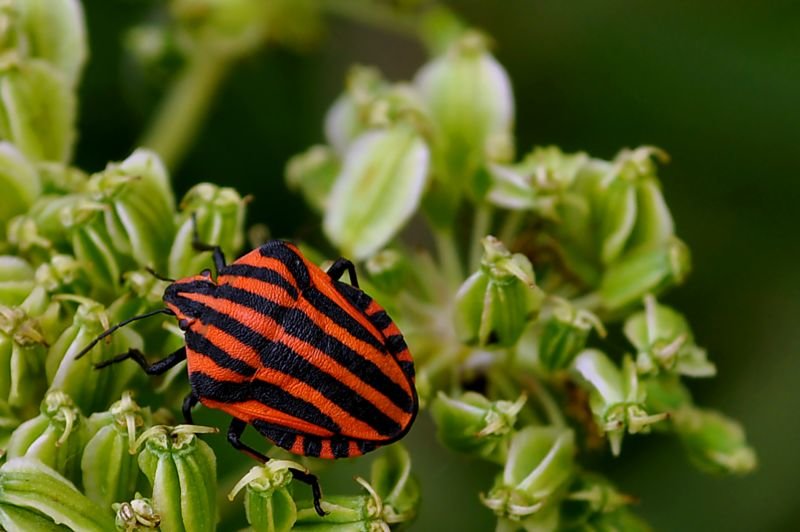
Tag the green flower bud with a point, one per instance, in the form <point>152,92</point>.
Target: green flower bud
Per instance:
<point>377,190</point>
<point>389,271</point>
<point>16,280</point>
<point>222,26</point>
<point>137,515</point>
<point>469,99</point>
<point>9,421</point>
<point>664,342</point>
<point>34,497</point>
<point>349,116</point>
<point>590,500</point>
<point>313,173</point>
<point>616,399</point>
<point>109,465</point>
<point>56,437</point>
<point>182,470</point>
<point>268,504</point>
<point>46,225</point>
<point>395,485</point>
<point>55,31</point>
<point>539,465</point>
<point>714,442</point>
<point>644,271</point>
<point>136,201</point>
<point>356,513</point>
<point>666,393</point>
<point>19,182</point>
<point>564,335</point>
<point>494,304</point>
<point>219,212</point>
<point>92,390</point>
<point>537,181</point>
<point>22,352</point>
<point>38,109</point>
<point>94,249</point>
<point>474,424</point>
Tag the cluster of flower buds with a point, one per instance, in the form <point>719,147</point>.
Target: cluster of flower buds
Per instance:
<point>601,239</point>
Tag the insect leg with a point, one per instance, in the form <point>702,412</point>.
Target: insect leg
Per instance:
<point>219,257</point>
<point>340,266</point>
<point>156,368</point>
<point>188,403</point>
<point>313,481</point>
<point>235,438</point>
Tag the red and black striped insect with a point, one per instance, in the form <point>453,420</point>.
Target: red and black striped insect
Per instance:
<point>313,364</point>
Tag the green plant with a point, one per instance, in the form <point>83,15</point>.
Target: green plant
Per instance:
<point>533,261</point>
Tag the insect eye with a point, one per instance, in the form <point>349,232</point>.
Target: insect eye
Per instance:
<point>183,324</point>
<point>206,273</point>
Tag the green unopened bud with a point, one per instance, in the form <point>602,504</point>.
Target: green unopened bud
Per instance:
<point>564,335</point>
<point>389,271</point>
<point>268,504</point>
<point>93,247</point>
<point>55,32</point>
<point>377,190</point>
<point>222,26</point>
<point>109,465</point>
<point>665,342</point>
<point>16,280</point>
<point>714,442</point>
<point>138,515</point>
<point>56,437</point>
<point>313,173</point>
<point>355,513</point>
<point>591,498</point>
<point>38,109</point>
<point>35,497</point>
<point>395,485</point>
<point>644,271</point>
<point>494,304</point>
<point>468,96</point>
<point>616,398</point>
<point>19,182</point>
<point>182,470</point>
<point>348,117</point>
<point>22,352</point>
<point>536,182</point>
<point>474,424</point>
<point>539,465</point>
<point>666,393</point>
<point>219,212</point>
<point>92,390</point>
<point>47,217</point>
<point>136,201</point>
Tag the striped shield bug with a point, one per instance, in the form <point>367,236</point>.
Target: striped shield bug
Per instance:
<point>313,364</point>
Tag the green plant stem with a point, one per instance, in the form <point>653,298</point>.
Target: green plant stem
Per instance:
<point>511,226</point>
<point>448,256</point>
<point>185,105</point>
<point>532,385</point>
<point>480,227</point>
<point>374,14</point>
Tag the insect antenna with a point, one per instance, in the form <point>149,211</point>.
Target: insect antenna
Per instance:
<point>121,324</point>
<point>158,276</point>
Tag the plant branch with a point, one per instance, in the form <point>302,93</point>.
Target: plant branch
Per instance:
<point>185,105</point>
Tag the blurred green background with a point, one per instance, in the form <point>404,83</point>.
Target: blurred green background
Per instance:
<point>714,83</point>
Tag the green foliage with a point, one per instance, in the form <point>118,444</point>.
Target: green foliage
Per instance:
<point>532,262</point>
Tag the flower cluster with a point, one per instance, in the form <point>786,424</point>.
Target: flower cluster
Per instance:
<point>505,274</point>
<point>537,259</point>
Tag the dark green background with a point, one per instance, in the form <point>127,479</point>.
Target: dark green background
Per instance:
<point>714,83</point>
